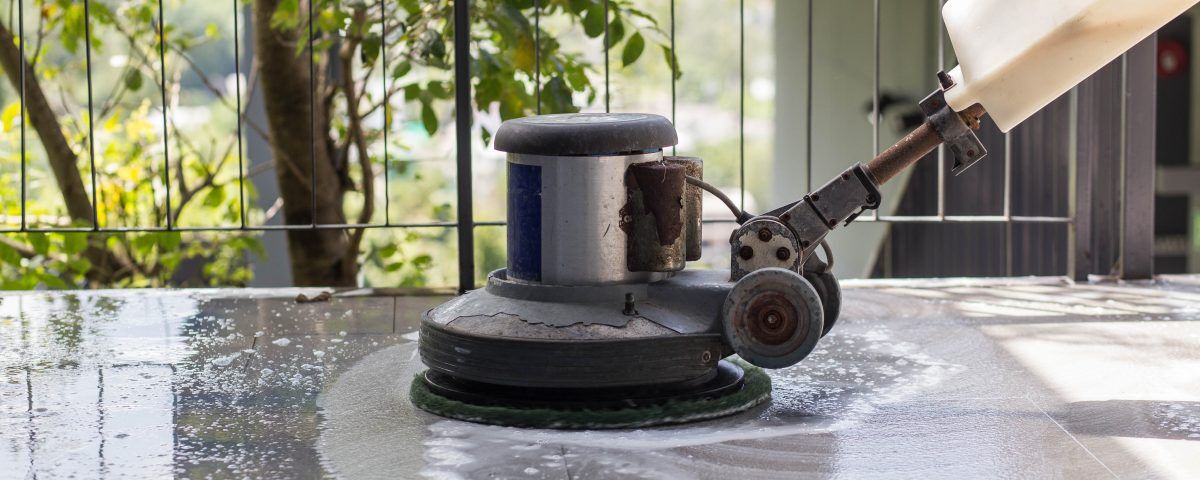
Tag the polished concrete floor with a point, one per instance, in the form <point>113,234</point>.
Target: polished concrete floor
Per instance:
<point>1025,378</point>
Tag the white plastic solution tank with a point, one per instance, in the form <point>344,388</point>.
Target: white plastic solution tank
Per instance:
<point>1016,56</point>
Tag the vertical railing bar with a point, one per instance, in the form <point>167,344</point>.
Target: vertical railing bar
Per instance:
<point>537,53</point>
<point>674,69</point>
<point>87,51</point>
<point>808,106</point>
<point>1072,180</point>
<point>941,151</point>
<point>742,102</point>
<point>237,88</point>
<point>607,107</point>
<point>875,117</point>
<point>24,179</point>
<point>162,77</point>
<point>1008,175</point>
<point>387,114</point>
<point>462,123</point>
<point>1138,111</point>
<point>1008,224</point>
<point>312,115</point>
<point>1122,165</point>
<point>1008,248</point>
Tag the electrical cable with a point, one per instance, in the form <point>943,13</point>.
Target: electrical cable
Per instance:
<point>738,213</point>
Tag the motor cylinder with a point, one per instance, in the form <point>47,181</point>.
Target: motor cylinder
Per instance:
<point>567,186</point>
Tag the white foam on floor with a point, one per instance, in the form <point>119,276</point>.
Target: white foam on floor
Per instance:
<point>372,430</point>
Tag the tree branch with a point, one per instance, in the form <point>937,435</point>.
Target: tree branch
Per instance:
<point>41,116</point>
<point>355,130</point>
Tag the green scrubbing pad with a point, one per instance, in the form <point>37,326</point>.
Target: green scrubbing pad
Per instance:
<point>756,388</point>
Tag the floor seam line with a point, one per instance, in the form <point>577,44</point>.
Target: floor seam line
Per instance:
<point>1072,436</point>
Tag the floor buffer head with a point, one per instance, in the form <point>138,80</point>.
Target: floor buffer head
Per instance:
<point>595,323</point>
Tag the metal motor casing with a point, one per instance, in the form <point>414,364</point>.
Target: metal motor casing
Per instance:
<point>566,190</point>
<point>563,215</point>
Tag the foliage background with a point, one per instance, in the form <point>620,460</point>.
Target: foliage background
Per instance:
<point>203,129</point>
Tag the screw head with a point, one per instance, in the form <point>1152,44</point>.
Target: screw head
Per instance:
<point>832,222</point>
<point>814,197</point>
<point>764,234</point>
<point>772,319</point>
<point>746,252</point>
<point>783,253</point>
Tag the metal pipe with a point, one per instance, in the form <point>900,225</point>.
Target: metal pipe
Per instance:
<point>913,147</point>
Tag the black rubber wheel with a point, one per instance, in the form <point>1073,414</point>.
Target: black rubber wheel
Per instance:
<point>772,318</point>
<point>830,292</point>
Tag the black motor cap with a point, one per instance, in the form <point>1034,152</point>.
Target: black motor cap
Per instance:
<point>585,134</point>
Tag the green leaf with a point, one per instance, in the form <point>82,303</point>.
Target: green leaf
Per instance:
<point>593,21</point>
<point>215,196</point>
<point>439,90</point>
<point>388,250</point>
<point>642,13</point>
<point>40,242</point>
<point>556,97</point>
<point>133,79</point>
<point>79,265</point>
<point>616,31</point>
<point>429,118</point>
<point>52,281</point>
<point>370,49</point>
<point>577,78</point>
<point>73,21</point>
<point>9,255</point>
<point>287,15</point>
<point>74,243</point>
<point>672,61</point>
<point>143,245</point>
<point>633,49</point>
<point>412,91</point>
<point>401,70</point>
<point>169,241</point>
<point>578,6</point>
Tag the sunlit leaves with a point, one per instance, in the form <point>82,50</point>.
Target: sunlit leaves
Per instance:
<point>287,15</point>
<point>9,115</point>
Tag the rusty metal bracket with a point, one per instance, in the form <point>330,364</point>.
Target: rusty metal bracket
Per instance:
<point>952,128</point>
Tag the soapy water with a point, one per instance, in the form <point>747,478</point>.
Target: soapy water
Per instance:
<point>845,381</point>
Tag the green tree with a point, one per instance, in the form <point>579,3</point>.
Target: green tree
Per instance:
<point>330,141</point>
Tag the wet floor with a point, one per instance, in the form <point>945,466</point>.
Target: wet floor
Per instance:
<point>1011,378</point>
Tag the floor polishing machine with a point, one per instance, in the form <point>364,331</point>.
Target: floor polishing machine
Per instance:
<point>597,323</point>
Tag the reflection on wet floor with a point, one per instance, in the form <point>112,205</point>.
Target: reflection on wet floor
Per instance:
<point>965,378</point>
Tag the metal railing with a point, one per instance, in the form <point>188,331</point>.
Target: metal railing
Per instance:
<point>465,222</point>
